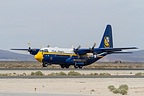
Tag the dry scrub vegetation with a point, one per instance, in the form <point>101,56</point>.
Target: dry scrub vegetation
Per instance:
<point>70,73</point>
<point>123,89</point>
<point>97,65</point>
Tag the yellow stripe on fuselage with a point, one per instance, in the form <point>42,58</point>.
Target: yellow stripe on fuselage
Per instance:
<point>59,53</point>
<point>39,55</point>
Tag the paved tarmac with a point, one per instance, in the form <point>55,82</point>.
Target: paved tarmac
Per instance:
<point>44,77</point>
<point>71,69</point>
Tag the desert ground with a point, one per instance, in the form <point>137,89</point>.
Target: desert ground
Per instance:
<point>69,86</point>
<point>75,86</point>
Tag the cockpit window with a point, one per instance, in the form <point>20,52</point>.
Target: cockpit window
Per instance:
<point>41,51</point>
<point>45,50</point>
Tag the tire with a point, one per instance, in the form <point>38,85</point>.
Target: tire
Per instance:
<point>62,66</point>
<point>67,66</point>
<point>75,66</point>
<point>45,64</point>
<point>80,67</point>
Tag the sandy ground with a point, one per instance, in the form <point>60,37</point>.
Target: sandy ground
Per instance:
<point>79,86</point>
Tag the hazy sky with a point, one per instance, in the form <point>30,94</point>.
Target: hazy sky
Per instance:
<point>62,23</point>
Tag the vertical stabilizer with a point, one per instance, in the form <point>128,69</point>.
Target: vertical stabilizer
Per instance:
<point>107,40</point>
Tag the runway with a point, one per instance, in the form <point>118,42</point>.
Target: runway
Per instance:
<point>44,77</point>
<point>71,69</point>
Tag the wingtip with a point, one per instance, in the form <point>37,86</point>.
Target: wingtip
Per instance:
<point>135,48</point>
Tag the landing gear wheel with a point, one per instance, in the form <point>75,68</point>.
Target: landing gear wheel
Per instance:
<point>45,64</point>
<point>67,66</point>
<point>80,67</point>
<point>62,66</point>
<point>75,66</point>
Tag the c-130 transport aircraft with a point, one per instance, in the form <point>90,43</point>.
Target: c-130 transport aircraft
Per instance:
<point>78,57</point>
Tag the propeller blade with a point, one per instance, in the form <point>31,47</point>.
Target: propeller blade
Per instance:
<point>78,47</point>
<point>94,46</point>
<point>75,50</point>
<point>92,49</point>
<point>29,45</point>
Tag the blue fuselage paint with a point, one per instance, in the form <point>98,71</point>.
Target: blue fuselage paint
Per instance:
<point>69,60</point>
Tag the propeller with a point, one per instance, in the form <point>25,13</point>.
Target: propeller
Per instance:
<point>92,49</point>
<point>76,50</point>
<point>29,48</point>
<point>93,46</point>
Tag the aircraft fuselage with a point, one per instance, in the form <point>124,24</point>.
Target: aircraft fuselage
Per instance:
<point>48,57</point>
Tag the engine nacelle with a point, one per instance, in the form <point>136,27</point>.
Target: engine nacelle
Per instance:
<point>33,51</point>
<point>81,52</point>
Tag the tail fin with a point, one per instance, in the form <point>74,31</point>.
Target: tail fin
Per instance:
<point>107,40</point>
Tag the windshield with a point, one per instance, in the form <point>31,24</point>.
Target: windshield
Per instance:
<point>44,50</point>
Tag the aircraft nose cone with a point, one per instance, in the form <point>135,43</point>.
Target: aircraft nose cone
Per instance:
<point>38,58</point>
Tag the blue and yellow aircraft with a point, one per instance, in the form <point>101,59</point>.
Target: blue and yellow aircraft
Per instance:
<point>78,57</point>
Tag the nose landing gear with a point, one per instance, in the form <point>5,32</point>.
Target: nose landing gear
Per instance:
<point>45,64</point>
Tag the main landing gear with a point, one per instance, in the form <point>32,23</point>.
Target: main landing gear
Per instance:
<point>75,66</point>
<point>78,66</point>
<point>45,64</point>
<point>64,66</point>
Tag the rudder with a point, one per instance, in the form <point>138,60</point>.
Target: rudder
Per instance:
<point>107,40</point>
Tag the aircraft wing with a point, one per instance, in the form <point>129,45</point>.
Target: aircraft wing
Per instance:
<point>21,49</point>
<point>33,51</point>
<point>100,50</point>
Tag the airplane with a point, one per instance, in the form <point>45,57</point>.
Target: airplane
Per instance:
<point>78,57</point>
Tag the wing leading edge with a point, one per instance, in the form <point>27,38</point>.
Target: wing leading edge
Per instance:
<point>33,51</point>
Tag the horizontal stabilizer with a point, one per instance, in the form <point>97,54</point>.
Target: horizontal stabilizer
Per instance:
<point>117,49</point>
